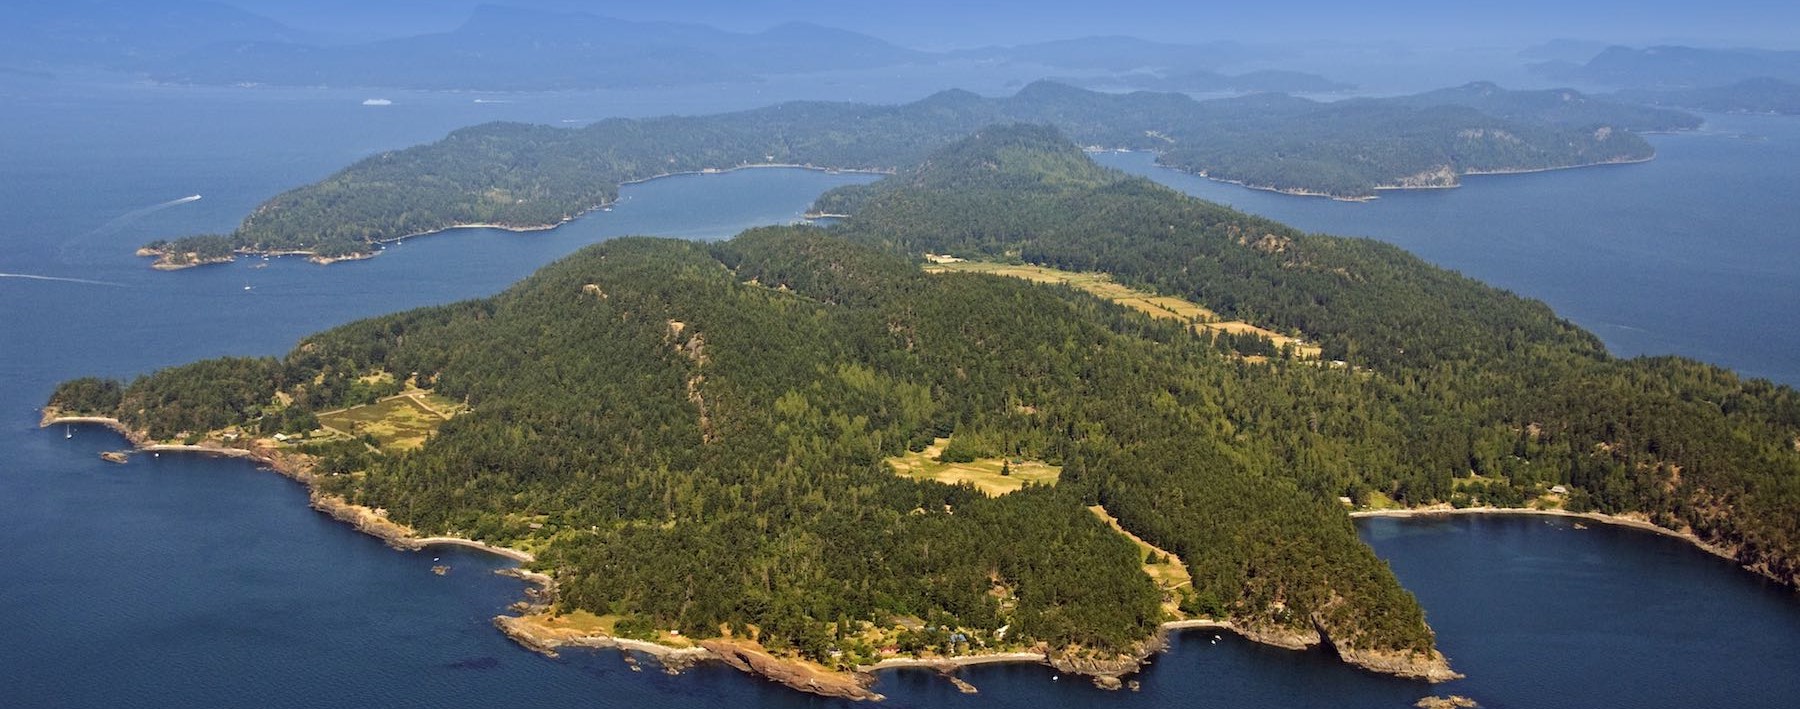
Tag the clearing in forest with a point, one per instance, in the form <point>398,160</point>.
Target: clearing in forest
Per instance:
<point>1164,568</point>
<point>1156,306</point>
<point>399,422</point>
<point>984,473</point>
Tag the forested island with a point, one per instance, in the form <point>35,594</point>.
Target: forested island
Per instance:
<point>801,452</point>
<point>532,177</point>
<point>1760,95</point>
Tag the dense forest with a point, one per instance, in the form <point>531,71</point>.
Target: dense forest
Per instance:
<point>694,436</point>
<point>529,176</point>
<point>1496,396</point>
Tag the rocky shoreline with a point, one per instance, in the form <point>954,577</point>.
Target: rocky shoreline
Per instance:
<point>533,633</point>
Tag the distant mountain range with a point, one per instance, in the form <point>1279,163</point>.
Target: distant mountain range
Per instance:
<point>1675,67</point>
<point>122,33</point>
<point>1202,81</point>
<point>1115,54</point>
<point>514,49</point>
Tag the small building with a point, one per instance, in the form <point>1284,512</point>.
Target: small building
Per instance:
<point>1559,490</point>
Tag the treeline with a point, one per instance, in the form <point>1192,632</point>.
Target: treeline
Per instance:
<point>526,176</point>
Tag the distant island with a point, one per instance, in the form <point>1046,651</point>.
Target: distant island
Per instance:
<point>1761,95</point>
<point>525,177</point>
<point>1015,407</point>
<point>1291,82</point>
<point>1675,67</point>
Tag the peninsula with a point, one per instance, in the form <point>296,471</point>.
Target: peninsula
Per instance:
<point>805,454</point>
<point>525,177</point>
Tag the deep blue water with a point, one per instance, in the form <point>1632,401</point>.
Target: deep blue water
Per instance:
<point>182,581</point>
<point>1695,253</point>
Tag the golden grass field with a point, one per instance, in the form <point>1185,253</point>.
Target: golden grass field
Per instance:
<point>401,422</point>
<point>1157,306</point>
<point>1168,571</point>
<point>984,473</point>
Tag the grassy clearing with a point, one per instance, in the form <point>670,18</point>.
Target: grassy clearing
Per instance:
<point>1157,306</point>
<point>1164,568</point>
<point>1377,500</point>
<point>580,623</point>
<point>401,422</point>
<point>984,474</point>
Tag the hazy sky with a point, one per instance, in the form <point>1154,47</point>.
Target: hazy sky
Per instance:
<point>947,23</point>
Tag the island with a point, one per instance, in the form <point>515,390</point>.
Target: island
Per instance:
<point>1757,95</point>
<point>1014,407</point>
<point>524,177</point>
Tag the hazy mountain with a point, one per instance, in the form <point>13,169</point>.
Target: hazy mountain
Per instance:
<point>1203,81</point>
<point>513,49</point>
<point>120,33</point>
<point>1116,54</point>
<point>1676,67</point>
<point>1573,51</point>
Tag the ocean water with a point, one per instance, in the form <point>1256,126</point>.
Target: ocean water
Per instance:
<point>1695,253</point>
<point>180,581</point>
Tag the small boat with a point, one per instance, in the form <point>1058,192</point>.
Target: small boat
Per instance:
<point>246,286</point>
<point>68,431</point>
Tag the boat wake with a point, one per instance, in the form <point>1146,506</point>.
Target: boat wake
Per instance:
<point>127,217</point>
<point>120,221</point>
<point>60,279</point>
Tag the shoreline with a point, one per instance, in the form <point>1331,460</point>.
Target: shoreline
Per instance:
<point>1302,192</point>
<point>1599,517</point>
<point>162,264</point>
<point>369,521</point>
<point>747,656</point>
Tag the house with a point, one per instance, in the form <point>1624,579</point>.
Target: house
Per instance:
<point>1559,490</point>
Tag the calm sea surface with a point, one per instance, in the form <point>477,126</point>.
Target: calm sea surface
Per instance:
<point>1695,253</point>
<point>182,581</point>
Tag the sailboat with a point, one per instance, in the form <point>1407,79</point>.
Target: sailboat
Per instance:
<point>68,431</point>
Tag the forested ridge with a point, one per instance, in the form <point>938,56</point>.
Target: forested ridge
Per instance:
<point>692,436</point>
<point>526,176</point>
<point>1499,397</point>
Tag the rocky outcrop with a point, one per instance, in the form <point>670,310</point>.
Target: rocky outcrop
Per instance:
<point>802,676</point>
<point>1289,638</point>
<point>1454,701</point>
<point>1433,667</point>
<point>1107,671</point>
<point>1436,177</point>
